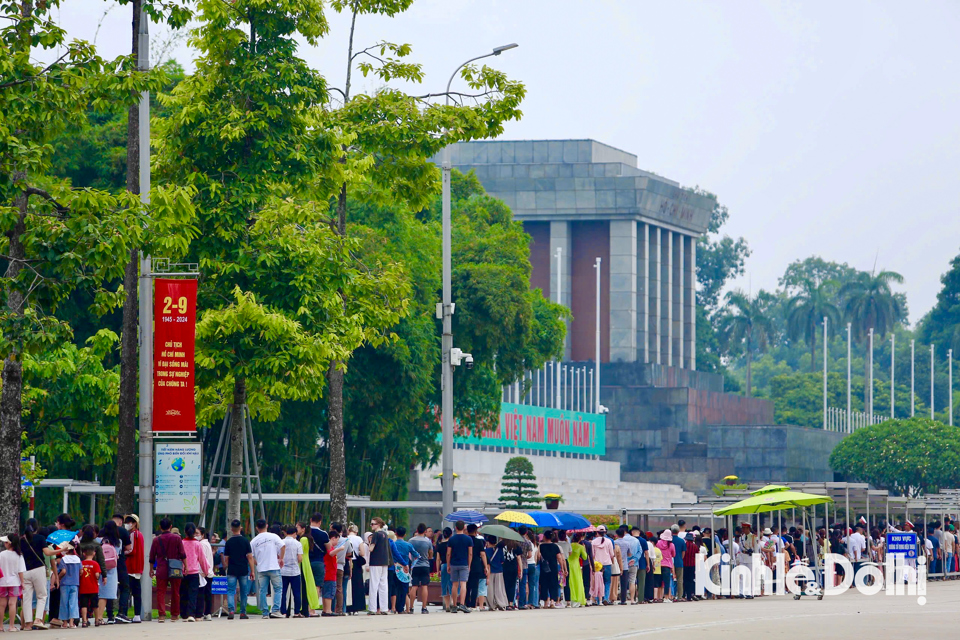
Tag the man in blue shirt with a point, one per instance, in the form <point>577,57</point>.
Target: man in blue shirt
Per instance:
<point>643,564</point>
<point>459,559</point>
<point>404,555</point>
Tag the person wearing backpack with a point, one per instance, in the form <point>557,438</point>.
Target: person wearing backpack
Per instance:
<point>110,543</point>
<point>167,556</point>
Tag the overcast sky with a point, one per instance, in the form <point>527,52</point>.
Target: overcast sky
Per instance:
<point>827,128</point>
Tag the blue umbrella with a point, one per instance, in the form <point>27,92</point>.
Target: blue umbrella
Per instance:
<point>572,520</point>
<point>547,519</point>
<point>467,515</point>
<point>61,535</point>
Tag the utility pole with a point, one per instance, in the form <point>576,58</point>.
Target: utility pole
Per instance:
<point>146,336</point>
<point>913,402</point>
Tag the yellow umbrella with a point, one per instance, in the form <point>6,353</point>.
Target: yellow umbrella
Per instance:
<point>517,517</point>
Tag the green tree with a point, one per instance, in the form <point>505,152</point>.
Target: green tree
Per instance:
<point>519,485</point>
<point>806,310</point>
<point>719,259</point>
<point>388,138</point>
<point>390,389</point>
<point>869,303</point>
<point>941,325</point>
<point>748,328</point>
<point>57,240</point>
<point>283,294</point>
<point>817,270</point>
<point>911,457</point>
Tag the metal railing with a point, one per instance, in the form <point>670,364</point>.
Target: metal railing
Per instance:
<point>847,422</point>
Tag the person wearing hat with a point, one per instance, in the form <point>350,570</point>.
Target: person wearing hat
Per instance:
<point>746,546</point>
<point>668,552</point>
<point>603,553</point>
<point>68,577</point>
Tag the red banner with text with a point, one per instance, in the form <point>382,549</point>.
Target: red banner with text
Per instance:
<point>174,337</point>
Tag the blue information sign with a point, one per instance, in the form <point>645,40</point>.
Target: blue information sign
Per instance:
<point>218,585</point>
<point>903,543</point>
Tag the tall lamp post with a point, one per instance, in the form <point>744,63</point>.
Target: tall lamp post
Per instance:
<point>146,333</point>
<point>446,384</point>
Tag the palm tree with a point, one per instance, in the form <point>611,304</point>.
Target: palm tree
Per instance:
<point>806,310</point>
<point>748,325</point>
<point>869,302</point>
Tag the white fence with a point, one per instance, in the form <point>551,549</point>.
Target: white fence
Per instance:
<point>557,385</point>
<point>839,420</point>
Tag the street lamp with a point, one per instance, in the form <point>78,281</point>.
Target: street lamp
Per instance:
<point>446,312</point>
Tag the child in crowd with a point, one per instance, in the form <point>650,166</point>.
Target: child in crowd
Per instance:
<point>596,585</point>
<point>292,554</point>
<point>12,568</point>
<point>68,571</point>
<point>89,588</point>
<point>330,575</point>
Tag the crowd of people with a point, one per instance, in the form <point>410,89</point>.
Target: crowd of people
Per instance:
<point>92,576</point>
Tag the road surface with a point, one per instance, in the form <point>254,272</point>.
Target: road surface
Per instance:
<point>845,616</point>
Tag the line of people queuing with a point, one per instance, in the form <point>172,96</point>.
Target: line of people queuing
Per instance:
<point>302,570</point>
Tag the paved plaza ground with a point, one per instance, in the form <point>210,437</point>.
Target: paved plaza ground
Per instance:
<point>846,616</point>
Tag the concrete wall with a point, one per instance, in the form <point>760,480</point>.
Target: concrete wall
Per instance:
<point>654,375</point>
<point>776,452</point>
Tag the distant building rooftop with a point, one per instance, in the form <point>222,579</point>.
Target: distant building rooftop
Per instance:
<point>579,180</point>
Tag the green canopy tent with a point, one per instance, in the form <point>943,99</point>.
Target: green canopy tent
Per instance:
<point>775,497</point>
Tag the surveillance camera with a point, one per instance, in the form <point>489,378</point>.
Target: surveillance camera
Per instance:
<point>458,357</point>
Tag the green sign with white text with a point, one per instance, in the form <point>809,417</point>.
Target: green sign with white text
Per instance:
<point>544,429</point>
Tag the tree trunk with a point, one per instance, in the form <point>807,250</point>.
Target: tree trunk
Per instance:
<point>749,377</point>
<point>126,466</point>
<point>335,447</point>
<point>11,395</point>
<point>236,450</point>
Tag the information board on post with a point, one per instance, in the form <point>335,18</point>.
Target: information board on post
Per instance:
<point>175,322</point>
<point>179,478</point>
<point>903,543</point>
<point>219,585</point>
<point>543,429</point>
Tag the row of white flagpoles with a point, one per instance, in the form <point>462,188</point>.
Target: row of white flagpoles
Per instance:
<point>557,386</point>
<point>848,420</point>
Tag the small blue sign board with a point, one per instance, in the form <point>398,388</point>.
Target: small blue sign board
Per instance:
<point>902,543</point>
<point>218,585</point>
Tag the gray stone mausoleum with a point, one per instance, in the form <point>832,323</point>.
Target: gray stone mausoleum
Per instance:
<point>580,200</point>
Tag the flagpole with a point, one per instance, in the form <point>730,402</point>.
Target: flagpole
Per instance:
<point>893,351</point>
<point>849,412</point>
<point>932,364</point>
<point>870,380</point>
<point>824,372</point>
